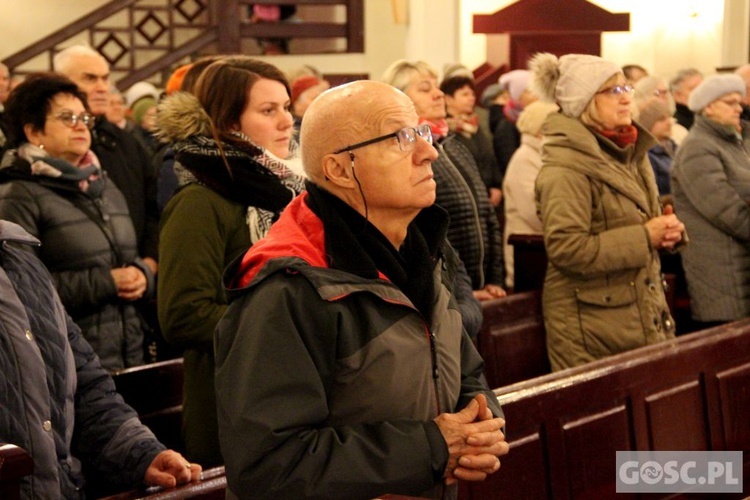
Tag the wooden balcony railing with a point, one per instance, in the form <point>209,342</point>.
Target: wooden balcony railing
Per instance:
<point>146,39</point>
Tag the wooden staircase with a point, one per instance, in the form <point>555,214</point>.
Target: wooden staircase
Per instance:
<point>148,39</point>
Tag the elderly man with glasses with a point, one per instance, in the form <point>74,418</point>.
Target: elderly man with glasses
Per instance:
<point>343,370</point>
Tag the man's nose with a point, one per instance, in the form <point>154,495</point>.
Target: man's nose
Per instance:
<point>425,151</point>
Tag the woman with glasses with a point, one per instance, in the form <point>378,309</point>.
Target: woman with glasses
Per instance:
<point>601,218</point>
<point>711,188</point>
<point>233,146</point>
<point>656,88</point>
<point>53,186</point>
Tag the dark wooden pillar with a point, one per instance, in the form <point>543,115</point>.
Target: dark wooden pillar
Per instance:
<point>228,25</point>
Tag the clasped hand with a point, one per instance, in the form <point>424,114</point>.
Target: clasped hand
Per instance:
<point>665,231</point>
<point>475,441</point>
<point>130,281</point>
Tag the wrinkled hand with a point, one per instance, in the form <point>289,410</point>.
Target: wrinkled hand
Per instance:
<point>496,196</point>
<point>489,292</point>
<point>665,231</point>
<point>130,281</point>
<point>474,441</point>
<point>169,469</point>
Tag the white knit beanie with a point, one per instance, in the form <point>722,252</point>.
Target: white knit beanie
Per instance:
<point>571,81</point>
<point>515,82</point>
<point>712,88</point>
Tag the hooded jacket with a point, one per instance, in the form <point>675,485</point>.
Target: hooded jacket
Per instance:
<point>711,186</point>
<point>203,228</point>
<point>53,384</point>
<point>328,380</point>
<point>603,291</point>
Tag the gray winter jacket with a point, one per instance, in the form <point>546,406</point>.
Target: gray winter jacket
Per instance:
<point>57,402</point>
<point>711,187</point>
<point>327,382</point>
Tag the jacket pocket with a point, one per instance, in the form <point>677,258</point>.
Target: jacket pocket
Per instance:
<point>609,319</point>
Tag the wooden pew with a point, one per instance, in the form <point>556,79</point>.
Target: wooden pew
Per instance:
<point>15,464</point>
<point>212,486</point>
<point>155,392</point>
<point>529,261</point>
<point>511,340</point>
<point>691,393</point>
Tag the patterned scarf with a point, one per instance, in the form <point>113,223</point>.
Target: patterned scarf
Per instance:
<point>512,110</point>
<point>466,125</point>
<point>439,127</point>
<point>255,177</point>
<point>86,175</point>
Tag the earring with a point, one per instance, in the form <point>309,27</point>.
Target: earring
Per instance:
<point>41,146</point>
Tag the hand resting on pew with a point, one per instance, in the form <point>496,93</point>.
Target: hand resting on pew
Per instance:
<point>169,468</point>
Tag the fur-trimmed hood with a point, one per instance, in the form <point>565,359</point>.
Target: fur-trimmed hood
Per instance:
<point>181,116</point>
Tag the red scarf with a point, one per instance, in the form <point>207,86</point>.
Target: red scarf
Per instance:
<point>439,128</point>
<point>623,136</point>
<point>466,125</point>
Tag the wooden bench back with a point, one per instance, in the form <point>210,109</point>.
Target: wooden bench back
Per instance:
<point>15,464</point>
<point>155,392</point>
<point>690,393</point>
<point>512,340</point>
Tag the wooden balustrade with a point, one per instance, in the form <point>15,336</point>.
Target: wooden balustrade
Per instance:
<point>147,39</point>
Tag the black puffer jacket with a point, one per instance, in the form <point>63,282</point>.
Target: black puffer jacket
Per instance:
<point>131,169</point>
<point>80,255</point>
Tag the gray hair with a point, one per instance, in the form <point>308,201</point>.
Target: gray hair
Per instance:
<point>61,61</point>
<point>645,89</point>
<point>681,76</point>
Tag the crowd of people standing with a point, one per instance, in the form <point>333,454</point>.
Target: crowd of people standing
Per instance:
<point>295,263</point>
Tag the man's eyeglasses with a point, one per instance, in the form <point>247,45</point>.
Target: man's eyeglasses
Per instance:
<point>407,139</point>
<point>618,90</point>
<point>71,119</point>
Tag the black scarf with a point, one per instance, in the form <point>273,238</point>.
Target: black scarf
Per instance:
<point>354,245</point>
<point>246,182</point>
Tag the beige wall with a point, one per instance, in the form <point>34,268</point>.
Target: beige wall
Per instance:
<point>25,21</point>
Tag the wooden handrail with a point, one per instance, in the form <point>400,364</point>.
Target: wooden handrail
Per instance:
<point>51,41</point>
<point>170,30</point>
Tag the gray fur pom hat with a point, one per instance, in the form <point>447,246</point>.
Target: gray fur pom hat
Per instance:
<point>570,81</point>
<point>712,88</point>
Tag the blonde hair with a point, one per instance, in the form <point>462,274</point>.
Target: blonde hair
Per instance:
<point>400,73</point>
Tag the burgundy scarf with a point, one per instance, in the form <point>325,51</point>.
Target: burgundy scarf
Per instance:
<point>623,136</point>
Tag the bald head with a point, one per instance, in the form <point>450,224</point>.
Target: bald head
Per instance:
<point>346,115</point>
